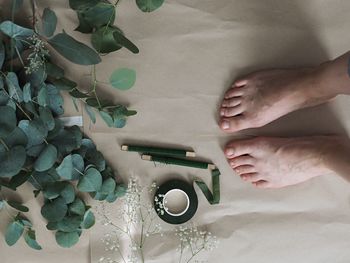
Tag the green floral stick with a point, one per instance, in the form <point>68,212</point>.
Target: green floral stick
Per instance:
<point>159,151</point>
<point>180,162</point>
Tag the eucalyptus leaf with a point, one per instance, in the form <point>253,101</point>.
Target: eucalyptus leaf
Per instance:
<point>27,93</point>
<point>52,225</point>
<point>149,5</point>
<point>54,71</point>
<point>15,138</point>
<point>125,42</point>
<point>34,151</point>
<point>91,113</point>
<point>82,4</point>
<point>55,100</point>
<point>73,50</point>
<point>88,221</point>
<point>68,193</point>
<point>119,122</point>
<point>75,103</point>
<point>46,159</point>
<point>13,232</point>
<point>78,94</point>
<point>64,84</point>
<point>78,166</point>
<point>35,130</point>
<point>65,169</point>
<point>70,223</point>
<point>65,239</point>
<point>91,181</point>
<point>13,87</point>
<point>108,186</point>
<point>55,210</point>
<point>11,161</point>
<point>77,207</point>
<point>98,196</point>
<point>19,179</point>
<point>18,206</point>
<point>100,15</point>
<point>107,118</point>
<point>47,118</point>
<point>43,98</point>
<point>96,158</point>
<point>103,39</point>
<point>8,121</point>
<point>53,190</point>
<point>49,22</point>
<point>2,54</point>
<point>84,26</point>
<point>15,31</point>
<point>30,239</point>
<point>123,78</point>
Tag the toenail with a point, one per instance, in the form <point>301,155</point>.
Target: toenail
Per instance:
<point>225,125</point>
<point>222,112</point>
<point>230,152</point>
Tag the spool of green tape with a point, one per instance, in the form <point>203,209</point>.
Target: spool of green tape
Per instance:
<point>180,191</point>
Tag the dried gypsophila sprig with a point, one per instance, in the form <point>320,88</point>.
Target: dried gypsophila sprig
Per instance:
<point>194,241</point>
<point>37,58</point>
<point>137,219</point>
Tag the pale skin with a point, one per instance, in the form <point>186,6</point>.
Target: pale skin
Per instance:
<point>262,97</point>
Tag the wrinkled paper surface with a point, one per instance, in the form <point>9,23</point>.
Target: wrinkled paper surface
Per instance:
<point>190,52</point>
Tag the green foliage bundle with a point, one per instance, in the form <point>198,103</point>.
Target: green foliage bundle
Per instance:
<point>97,17</point>
<point>35,146</point>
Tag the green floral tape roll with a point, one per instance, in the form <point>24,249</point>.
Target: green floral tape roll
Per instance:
<point>180,191</point>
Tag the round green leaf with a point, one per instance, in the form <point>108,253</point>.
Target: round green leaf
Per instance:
<point>30,239</point>
<point>13,232</point>
<point>53,190</point>
<point>13,87</point>
<point>123,78</point>
<point>149,5</point>
<point>103,39</point>
<point>70,223</point>
<point>68,193</point>
<point>15,31</point>
<point>67,240</point>
<point>65,169</point>
<point>88,221</point>
<point>73,50</point>
<point>108,186</point>
<point>54,210</point>
<point>52,226</point>
<point>47,117</point>
<point>27,93</point>
<point>107,118</point>
<point>82,4</point>
<point>91,181</point>
<point>43,99</point>
<point>78,166</point>
<point>77,207</point>
<point>46,159</point>
<point>17,137</point>
<point>35,130</point>
<point>18,206</point>
<point>49,22</point>
<point>12,161</point>
<point>8,121</point>
<point>100,15</point>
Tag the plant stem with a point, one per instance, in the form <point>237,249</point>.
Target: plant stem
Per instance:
<point>193,255</point>
<point>94,85</point>
<point>5,145</point>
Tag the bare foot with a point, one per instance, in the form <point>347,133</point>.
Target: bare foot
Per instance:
<point>268,162</point>
<point>265,96</point>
